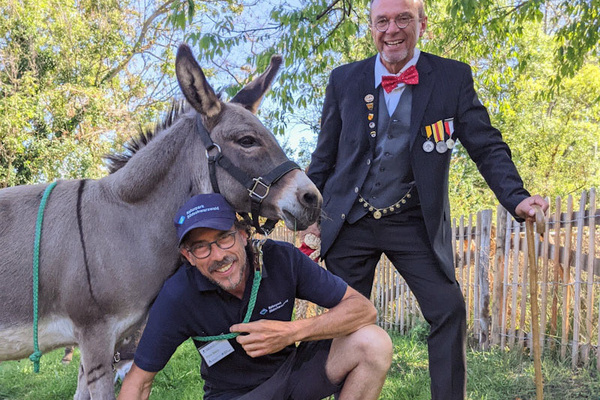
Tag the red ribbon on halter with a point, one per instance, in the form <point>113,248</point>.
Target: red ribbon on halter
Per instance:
<point>409,77</point>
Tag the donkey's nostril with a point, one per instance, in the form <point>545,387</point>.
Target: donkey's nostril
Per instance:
<point>310,199</point>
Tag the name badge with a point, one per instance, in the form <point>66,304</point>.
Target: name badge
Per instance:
<point>215,351</point>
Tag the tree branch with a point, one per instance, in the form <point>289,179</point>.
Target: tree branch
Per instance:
<point>138,44</point>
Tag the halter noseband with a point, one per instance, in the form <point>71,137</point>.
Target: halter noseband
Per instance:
<point>258,188</point>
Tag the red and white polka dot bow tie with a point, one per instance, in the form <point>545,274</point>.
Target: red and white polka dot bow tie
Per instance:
<point>409,77</point>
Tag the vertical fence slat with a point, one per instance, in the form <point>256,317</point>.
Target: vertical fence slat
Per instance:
<point>506,280</point>
<point>557,272</point>
<point>577,287</point>
<point>476,287</point>
<point>566,279</point>
<point>469,233</point>
<point>461,254</point>
<point>484,278</point>
<point>544,284</point>
<point>498,289</point>
<point>589,304</point>
<point>515,283</point>
<point>524,290</point>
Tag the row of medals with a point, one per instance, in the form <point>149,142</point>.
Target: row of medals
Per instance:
<point>441,146</point>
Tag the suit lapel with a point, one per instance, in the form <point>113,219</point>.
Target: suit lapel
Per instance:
<point>421,94</point>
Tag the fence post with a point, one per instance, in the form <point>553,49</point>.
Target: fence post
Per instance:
<point>566,279</point>
<point>590,276</point>
<point>484,279</point>
<point>577,289</point>
<point>498,275</point>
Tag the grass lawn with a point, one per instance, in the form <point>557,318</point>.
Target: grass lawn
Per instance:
<point>492,375</point>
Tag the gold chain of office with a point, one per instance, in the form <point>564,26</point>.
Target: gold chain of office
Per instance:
<point>380,212</point>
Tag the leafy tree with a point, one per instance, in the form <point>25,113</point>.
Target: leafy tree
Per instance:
<point>554,139</point>
<point>75,77</point>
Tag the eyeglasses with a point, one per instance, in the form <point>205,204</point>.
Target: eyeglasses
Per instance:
<point>383,24</point>
<point>203,250</point>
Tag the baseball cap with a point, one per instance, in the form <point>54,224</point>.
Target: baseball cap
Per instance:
<point>204,211</point>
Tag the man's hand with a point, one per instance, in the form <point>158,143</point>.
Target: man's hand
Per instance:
<point>314,229</point>
<point>526,210</point>
<point>264,336</point>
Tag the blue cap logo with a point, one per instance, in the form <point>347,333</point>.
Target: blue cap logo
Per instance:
<point>263,311</point>
<point>181,220</point>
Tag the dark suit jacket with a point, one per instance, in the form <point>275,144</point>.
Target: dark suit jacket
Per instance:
<point>345,147</point>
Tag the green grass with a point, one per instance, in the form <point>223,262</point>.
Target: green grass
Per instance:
<point>492,375</point>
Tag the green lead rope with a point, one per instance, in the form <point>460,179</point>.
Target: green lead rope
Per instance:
<point>37,354</point>
<point>251,304</point>
<point>258,262</point>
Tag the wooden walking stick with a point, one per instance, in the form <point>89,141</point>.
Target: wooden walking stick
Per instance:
<point>533,294</point>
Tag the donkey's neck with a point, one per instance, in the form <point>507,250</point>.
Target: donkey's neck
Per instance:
<point>156,169</point>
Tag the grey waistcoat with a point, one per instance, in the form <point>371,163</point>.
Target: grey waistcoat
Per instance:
<point>390,174</point>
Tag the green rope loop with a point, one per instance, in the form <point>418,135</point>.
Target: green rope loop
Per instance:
<point>37,354</point>
<point>251,304</point>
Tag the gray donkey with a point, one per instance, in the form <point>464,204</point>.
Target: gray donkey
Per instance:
<point>108,245</point>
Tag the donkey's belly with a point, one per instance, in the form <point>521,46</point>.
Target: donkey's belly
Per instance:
<point>16,342</point>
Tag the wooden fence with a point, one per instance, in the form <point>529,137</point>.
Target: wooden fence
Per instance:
<point>491,256</point>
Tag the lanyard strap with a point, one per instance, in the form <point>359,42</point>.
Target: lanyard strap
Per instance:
<point>258,262</point>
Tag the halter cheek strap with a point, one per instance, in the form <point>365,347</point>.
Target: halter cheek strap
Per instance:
<point>258,188</point>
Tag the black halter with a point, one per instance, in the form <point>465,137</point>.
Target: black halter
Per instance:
<point>258,188</point>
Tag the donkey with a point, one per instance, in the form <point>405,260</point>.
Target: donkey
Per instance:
<point>108,245</point>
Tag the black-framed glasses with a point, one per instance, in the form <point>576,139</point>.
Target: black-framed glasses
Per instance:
<point>203,249</point>
<point>401,22</point>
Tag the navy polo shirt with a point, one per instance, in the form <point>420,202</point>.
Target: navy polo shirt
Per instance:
<point>190,305</point>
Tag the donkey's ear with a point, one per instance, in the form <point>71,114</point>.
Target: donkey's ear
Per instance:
<point>194,85</point>
<point>251,95</point>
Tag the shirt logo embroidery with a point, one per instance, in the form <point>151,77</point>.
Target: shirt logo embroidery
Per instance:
<point>273,307</point>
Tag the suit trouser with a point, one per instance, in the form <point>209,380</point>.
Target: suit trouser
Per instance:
<point>403,238</point>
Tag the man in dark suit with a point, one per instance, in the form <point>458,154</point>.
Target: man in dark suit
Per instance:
<point>388,127</point>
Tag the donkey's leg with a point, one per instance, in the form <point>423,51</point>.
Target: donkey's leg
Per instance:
<point>95,372</point>
<point>82,392</point>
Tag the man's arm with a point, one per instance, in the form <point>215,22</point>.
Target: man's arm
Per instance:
<point>267,336</point>
<point>491,154</point>
<point>137,384</point>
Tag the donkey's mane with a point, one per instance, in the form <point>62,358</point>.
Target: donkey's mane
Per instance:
<point>116,161</point>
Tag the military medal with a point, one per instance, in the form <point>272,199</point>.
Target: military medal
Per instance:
<point>438,134</point>
<point>441,147</point>
<point>428,146</point>
<point>449,128</point>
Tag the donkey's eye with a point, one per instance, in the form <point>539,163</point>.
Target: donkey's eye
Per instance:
<point>247,141</point>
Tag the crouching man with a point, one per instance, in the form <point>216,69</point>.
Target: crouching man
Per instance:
<point>225,285</point>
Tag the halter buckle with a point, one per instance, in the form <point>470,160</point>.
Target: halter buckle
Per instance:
<point>258,183</point>
<point>213,146</point>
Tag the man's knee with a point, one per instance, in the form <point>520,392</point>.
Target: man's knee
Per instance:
<point>373,345</point>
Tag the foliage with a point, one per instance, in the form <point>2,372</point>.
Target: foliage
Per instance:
<point>554,140</point>
<point>78,78</point>
<point>75,77</point>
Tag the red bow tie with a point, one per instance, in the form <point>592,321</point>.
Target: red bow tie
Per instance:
<point>409,77</point>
